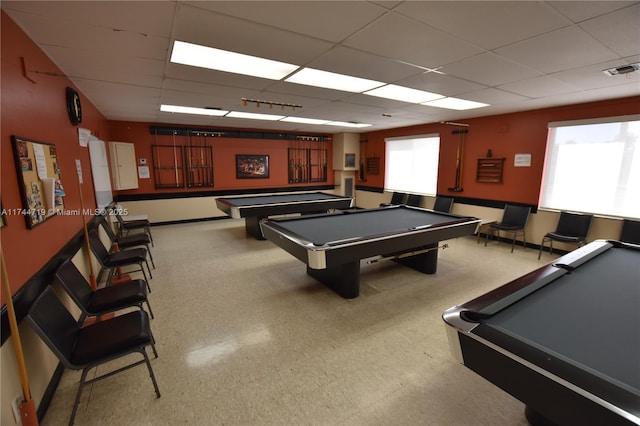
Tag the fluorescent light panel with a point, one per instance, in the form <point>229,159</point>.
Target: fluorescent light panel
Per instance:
<point>347,124</point>
<point>222,60</point>
<point>253,116</point>
<point>404,94</point>
<point>454,103</point>
<point>304,120</point>
<point>192,110</point>
<point>330,80</point>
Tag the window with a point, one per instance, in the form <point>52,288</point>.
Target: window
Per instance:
<point>411,164</point>
<point>593,166</point>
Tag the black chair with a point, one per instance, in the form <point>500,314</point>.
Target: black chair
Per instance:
<point>396,199</point>
<point>123,258</point>
<point>128,241</point>
<point>630,232</point>
<point>126,226</point>
<point>443,204</point>
<point>414,200</point>
<point>572,228</point>
<point>103,300</point>
<point>87,347</point>
<point>514,220</point>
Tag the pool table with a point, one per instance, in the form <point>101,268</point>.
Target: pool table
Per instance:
<point>256,208</point>
<point>332,246</point>
<point>563,339</point>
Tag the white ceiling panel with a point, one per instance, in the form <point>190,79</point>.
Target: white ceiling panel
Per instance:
<point>489,24</point>
<point>201,26</point>
<point>578,11</point>
<point>607,29</point>
<point>538,87</point>
<point>312,18</point>
<point>513,55</point>
<point>490,69</point>
<point>397,36</point>
<point>559,50</point>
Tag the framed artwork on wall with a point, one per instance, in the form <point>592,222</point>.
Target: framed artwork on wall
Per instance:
<point>252,166</point>
<point>349,160</point>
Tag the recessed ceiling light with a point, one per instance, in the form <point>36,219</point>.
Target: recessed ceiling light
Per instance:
<point>253,116</point>
<point>330,80</point>
<point>304,120</point>
<point>404,94</point>
<point>223,60</point>
<point>192,110</point>
<point>454,103</point>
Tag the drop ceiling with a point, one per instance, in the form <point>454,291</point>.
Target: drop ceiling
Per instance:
<point>513,55</point>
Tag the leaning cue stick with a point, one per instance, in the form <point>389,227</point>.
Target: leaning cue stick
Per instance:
<point>28,415</point>
<point>92,277</point>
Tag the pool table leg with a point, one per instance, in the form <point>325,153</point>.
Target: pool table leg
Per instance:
<point>343,279</point>
<point>426,262</point>
<point>252,226</point>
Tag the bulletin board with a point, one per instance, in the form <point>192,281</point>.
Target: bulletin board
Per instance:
<point>39,179</point>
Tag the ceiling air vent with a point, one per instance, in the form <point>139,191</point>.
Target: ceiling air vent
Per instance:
<point>624,69</point>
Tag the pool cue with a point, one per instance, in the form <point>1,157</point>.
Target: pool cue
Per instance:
<point>92,277</point>
<point>175,160</point>
<point>27,407</point>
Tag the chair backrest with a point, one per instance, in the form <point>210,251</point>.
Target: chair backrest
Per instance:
<point>574,224</point>
<point>114,212</point>
<point>443,204</point>
<point>399,198</point>
<point>414,200</point>
<point>97,247</point>
<point>630,232</point>
<point>107,228</point>
<point>515,215</point>
<point>55,325</point>
<point>75,284</point>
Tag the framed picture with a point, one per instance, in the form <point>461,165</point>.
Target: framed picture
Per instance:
<point>252,166</point>
<point>349,160</point>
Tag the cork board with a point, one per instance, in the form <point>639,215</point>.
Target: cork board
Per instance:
<point>39,180</point>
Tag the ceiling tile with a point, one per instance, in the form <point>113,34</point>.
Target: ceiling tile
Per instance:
<point>538,87</point>
<point>490,69</point>
<point>489,24</point>
<point>607,29</point>
<point>559,50</point>
<point>398,37</point>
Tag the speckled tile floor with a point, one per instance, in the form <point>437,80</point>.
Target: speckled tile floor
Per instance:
<point>246,337</point>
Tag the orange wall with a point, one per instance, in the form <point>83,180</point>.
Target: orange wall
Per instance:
<point>37,110</point>
<point>33,106</point>
<point>224,158</point>
<point>506,135</point>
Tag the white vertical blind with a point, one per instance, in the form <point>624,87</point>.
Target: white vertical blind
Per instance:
<point>411,164</point>
<point>593,166</point>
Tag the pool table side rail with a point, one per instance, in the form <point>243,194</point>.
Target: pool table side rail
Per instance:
<point>335,253</point>
<point>464,327</point>
<point>227,206</point>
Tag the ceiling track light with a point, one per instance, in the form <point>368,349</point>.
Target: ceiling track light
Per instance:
<point>282,105</point>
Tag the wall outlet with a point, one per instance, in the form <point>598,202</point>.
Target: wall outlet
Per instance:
<point>15,405</point>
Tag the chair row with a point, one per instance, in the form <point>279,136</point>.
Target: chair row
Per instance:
<point>572,228</point>
<point>441,204</point>
<point>79,346</point>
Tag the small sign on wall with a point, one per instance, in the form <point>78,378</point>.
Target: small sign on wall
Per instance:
<point>143,172</point>
<point>522,160</point>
